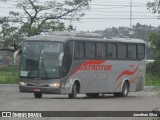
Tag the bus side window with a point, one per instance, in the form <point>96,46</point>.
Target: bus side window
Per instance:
<point>67,60</point>
<point>90,50</point>
<point>122,51</point>
<point>100,50</point>
<point>111,50</point>
<point>131,51</point>
<point>79,50</point>
<point>141,51</point>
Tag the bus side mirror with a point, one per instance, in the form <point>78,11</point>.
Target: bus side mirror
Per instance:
<point>16,56</point>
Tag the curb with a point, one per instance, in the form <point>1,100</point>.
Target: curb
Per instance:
<point>9,85</point>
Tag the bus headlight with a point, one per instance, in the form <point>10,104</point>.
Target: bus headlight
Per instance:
<point>22,84</point>
<point>54,85</point>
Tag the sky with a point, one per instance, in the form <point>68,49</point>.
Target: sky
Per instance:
<point>106,14</point>
<point>115,13</point>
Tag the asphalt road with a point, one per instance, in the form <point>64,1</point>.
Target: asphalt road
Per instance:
<point>12,100</point>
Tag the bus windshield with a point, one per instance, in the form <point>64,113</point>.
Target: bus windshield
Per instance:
<point>41,60</point>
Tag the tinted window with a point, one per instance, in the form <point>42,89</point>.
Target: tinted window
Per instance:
<point>79,50</point>
<point>122,51</point>
<point>50,47</point>
<point>111,50</point>
<point>131,51</point>
<point>90,50</point>
<point>100,50</point>
<point>67,59</point>
<point>141,51</point>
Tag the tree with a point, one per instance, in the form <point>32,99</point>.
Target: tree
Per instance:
<point>10,35</point>
<point>154,6</point>
<point>141,31</point>
<point>155,38</point>
<point>40,16</point>
<point>155,43</point>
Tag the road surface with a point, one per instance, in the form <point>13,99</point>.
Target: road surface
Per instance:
<point>12,100</point>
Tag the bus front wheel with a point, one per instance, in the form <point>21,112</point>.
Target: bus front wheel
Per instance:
<point>38,95</point>
<point>74,92</point>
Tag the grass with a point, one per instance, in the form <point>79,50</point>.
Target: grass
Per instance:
<point>152,80</point>
<point>9,75</point>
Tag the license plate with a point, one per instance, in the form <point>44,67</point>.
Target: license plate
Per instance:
<point>36,90</point>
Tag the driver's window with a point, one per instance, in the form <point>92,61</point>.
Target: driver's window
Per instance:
<point>67,60</point>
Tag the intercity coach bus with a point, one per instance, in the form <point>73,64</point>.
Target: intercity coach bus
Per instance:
<point>79,64</point>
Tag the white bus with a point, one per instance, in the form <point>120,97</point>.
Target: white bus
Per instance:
<point>75,64</point>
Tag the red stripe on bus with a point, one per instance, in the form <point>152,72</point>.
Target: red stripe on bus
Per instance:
<point>134,79</point>
<point>130,81</point>
<point>88,62</point>
<point>127,72</point>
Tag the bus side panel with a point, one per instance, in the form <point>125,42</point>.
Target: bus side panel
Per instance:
<point>99,81</point>
<point>133,71</point>
<point>141,79</point>
<point>73,75</point>
<point>91,81</point>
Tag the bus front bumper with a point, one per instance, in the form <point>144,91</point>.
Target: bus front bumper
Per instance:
<point>38,89</point>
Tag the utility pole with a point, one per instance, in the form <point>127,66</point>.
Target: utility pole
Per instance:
<point>131,14</point>
<point>131,32</point>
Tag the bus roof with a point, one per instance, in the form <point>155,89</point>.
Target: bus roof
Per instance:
<point>80,38</point>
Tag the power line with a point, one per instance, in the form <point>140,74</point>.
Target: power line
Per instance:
<point>99,11</point>
<point>118,18</point>
<point>119,5</point>
<point>124,2</point>
<point>117,11</point>
<point>99,18</point>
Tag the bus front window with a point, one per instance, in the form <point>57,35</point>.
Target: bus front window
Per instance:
<point>41,60</point>
<point>50,59</point>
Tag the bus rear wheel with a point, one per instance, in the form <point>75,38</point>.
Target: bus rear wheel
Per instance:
<point>74,91</point>
<point>38,95</point>
<point>92,95</point>
<point>125,90</point>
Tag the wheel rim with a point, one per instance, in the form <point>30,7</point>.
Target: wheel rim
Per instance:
<point>75,90</point>
<point>125,90</point>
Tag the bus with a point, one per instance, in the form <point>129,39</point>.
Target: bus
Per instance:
<point>82,64</point>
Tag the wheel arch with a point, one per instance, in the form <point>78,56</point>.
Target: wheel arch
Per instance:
<point>125,80</point>
<point>77,83</point>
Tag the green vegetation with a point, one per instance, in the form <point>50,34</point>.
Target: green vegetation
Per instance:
<point>154,38</point>
<point>9,75</point>
<point>36,17</point>
<point>152,80</point>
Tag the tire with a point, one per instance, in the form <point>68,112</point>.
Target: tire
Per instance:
<point>38,95</point>
<point>125,90</point>
<point>74,91</point>
<point>117,94</point>
<point>92,95</point>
